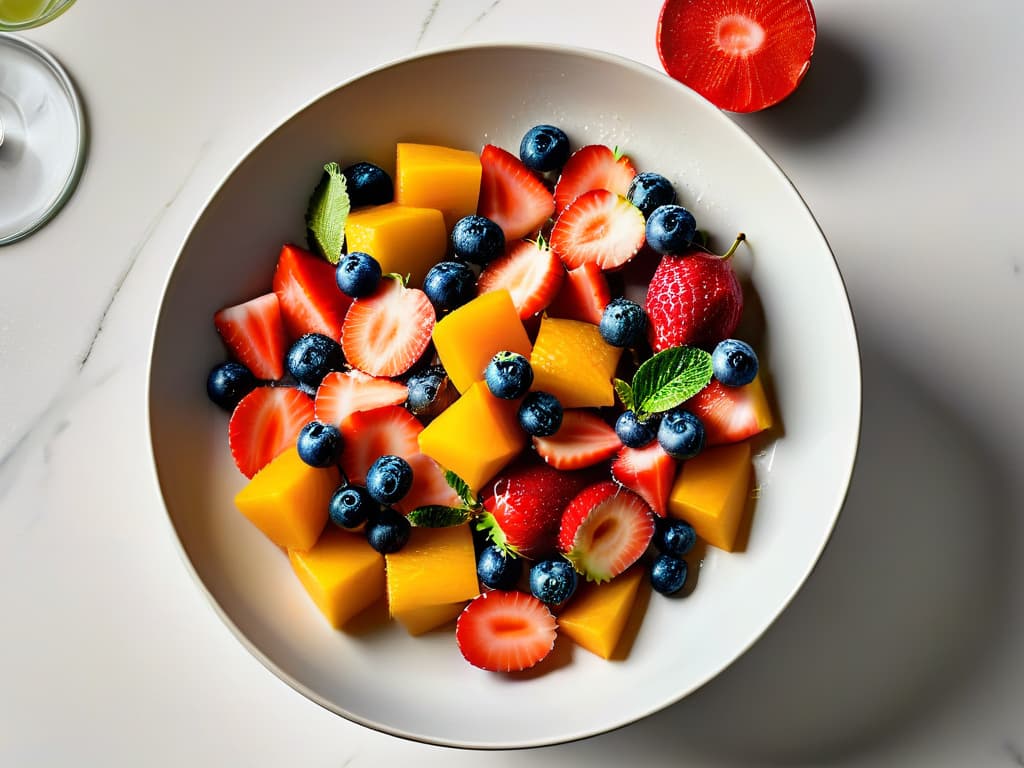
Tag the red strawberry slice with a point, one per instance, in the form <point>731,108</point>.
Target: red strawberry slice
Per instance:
<point>584,439</point>
<point>511,196</point>
<point>647,471</point>
<point>505,631</point>
<point>309,296</point>
<point>264,423</point>
<point>385,333</point>
<point>731,414</point>
<point>584,295</point>
<point>601,227</point>
<point>604,530</point>
<point>530,271</point>
<point>254,334</point>
<point>343,393</point>
<point>742,55</point>
<point>594,166</point>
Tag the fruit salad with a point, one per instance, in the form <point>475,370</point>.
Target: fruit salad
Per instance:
<point>445,401</point>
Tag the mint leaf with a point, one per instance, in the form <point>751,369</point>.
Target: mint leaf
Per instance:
<point>625,393</point>
<point>437,516</point>
<point>669,378</point>
<point>327,214</point>
<point>457,484</point>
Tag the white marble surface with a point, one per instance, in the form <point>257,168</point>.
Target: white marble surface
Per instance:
<point>907,645</point>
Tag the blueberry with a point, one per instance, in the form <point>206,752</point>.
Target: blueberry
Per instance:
<point>674,537</point>
<point>350,506</point>
<point>228,383</point>
<point>496,569</point>
<point>508,375</point>
<point>668,574</point>
<point>389,479</point>
<point>387,530</point>
<point>426,390</point>
<point>553,581</point>
<point>319,445</point>
<point>544,148</point>
<point>623,323</point>
<point>671,229</point>
<point>734,363</point>
<point>368,184</point>
<point>357,274</point>
<point>648,191</point>
<point>477,239</point>
<point>681,434</point>
<point>449,285</point>
<point>540,414</point>
<point>312,357</point>
<point>635,433</point>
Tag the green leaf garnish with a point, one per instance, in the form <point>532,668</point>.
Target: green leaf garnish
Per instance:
<point>327,214</point>
<point>438,516</point>
<point>669,378</point>
<point>461,488</point>
<point>488,523</point>
<point>625,393</point>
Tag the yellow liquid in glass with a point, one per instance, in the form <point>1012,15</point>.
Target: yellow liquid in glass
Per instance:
<point>18,11</point>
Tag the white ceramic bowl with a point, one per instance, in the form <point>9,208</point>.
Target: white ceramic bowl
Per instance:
<point>421,688</point>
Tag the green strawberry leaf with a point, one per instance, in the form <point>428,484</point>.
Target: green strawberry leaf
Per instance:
<point>461,487</point>
<point>438,516</point>
<point>327,214</point>
<point>625,393</point>
<point>669,378</point>
<point>488,523</point>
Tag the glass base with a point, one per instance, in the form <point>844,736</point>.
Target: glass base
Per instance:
<point>44,138</point>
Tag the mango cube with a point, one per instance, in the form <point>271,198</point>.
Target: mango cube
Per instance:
<point>572,362</point>
<point>405,240</point>
<point>711,493</point>
<point>597,615</point>
<point>288,499</point>
<point>429,176</point>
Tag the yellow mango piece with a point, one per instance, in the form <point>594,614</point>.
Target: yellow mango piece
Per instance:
<point>475,436</point>
<point>572,362</point>
<point>403,239</point>
<point>598,613</point>
<point>711,492</point>
<point>342,573</point>
<point>420,620</point>
<point>468,338</point>
<point>288,499</point>
<point>429,176</point>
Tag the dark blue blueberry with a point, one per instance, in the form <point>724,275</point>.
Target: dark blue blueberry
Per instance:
<point>553,581</point>
<point>623,323</point>
<point>319,445</point>
<point>544,148</point>
<point>228,383</point>
<point>389,479</point>
<point>668,574</point>
<point>387,530</point>
<point>477,239</point>
<point>648,191</point>
<point>368,184</point>
<point>635,433</point>
<point>671,229</point>
<point>357,274</point>
<point>312,357</point>
<point>674,537</point>
<point>449,285</point>
<point>429,391</point>
<point>350,506</point>
<point>540,414</point>
<point>681,434</point>
<point>734,363</point>
<point>508,375</point>
<point>496,569</point>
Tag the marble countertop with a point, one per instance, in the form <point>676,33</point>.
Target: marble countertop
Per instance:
<point>906,647</point>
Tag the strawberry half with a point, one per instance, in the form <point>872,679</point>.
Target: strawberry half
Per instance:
<point>604,530</point>
<point>594,166</point>
<point>388,331</point>
<point>599,227</point>
<point>254,334</point>
<point>309,295</point>
<point>731,414</point>
<point>647,471</point>
<point>264,423</point>
<point>510,195</point>
<point>343,393</point>
<point>583,296</point>
<point>503,631</point>
<point>529,271</point>
<point>741,55</point>
<point>584,439</point>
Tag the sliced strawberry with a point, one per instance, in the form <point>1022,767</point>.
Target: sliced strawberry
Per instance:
<point>584,439</point>
<point>594,166</point>
<point>731,414</point>
<point>385,333</point>
<point>309,296</point>
<point>511,196</point>
<point>264,423</point>
<point>741,55</point>
<point>584,295</point>
<point>604,530</point>
<point>343,393</point>
<point>254,334</point>
<point>529,271</point>
<point>505,631</point>
<point>599,227</point>
<point>647,471</point>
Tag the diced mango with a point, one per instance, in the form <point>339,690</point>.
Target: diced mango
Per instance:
<point>475,436</point>
<point>711,493</point>
<point>468,338</point>
<point>288,499</point>
<point>597,615</point>
<point>420,620</point>
<point>403,239</point>
<point>438,177</point>
<point>342,573</point>
<point>572,362</point>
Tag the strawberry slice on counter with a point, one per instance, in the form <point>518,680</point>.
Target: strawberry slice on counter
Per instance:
<point>505,631</point>
<point>584,295</point>
<point>594,166</point>
<point>648,472</point>
<point>386,332</point>
<point>584,439</point>
<point>511,195</point>
<point>731,414</point>
<point>254,333</point>
<point>308,294</point>
<point>531,273</point>
<point>599,227</point>
<point>343,393</point>
<point>264,423</point>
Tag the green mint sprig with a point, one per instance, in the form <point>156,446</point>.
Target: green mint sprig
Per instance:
<point>327,213</point>
<point>665,380</point>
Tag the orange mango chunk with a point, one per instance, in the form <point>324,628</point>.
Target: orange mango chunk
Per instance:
<point>572,362</point>
<point>711,493</point>
<point>342,573</point>
<point>468,338</point>
<point>429,176</point>
<point>405,240</point>
<point>420,620</point>
<point>288,499</point>
<point>475,436</point>
<point>597,615</point>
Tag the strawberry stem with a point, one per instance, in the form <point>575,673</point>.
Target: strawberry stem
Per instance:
<point>732,248</point>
